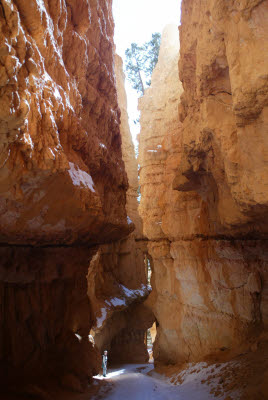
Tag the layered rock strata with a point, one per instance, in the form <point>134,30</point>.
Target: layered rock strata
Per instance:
<point>203,211</point>
<point>117,281</point>
<point>62,182</point>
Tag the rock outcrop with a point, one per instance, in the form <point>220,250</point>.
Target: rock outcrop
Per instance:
<point>60,138</point>
<point>204,193</point>
<point>62,183</point>
<point>117,281</point>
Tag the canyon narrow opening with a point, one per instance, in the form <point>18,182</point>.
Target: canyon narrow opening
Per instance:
<point>133,199</point>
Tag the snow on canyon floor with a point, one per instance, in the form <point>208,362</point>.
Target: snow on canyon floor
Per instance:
<point>245,377</point>
<point>132,382</point>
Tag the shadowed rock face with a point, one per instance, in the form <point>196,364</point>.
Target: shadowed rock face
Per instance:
<point>43,305</point>
<point>203,183</point>
<point>62,182</point>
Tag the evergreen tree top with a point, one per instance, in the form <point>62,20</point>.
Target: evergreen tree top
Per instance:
<point>140,62</point>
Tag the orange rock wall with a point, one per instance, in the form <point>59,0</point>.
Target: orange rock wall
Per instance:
<point>223,64</point>
<point>60,138</point>
<point>62,183</point>
<point>205,215</point>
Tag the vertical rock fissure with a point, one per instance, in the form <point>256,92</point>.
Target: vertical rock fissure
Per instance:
<point>117,281</point>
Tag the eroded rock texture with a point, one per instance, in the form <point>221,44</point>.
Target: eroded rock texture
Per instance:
<point>223,67</point>
<point>117,281</point>
<point>62,182</point>
<point>60,139</point>
<point>204,191</point>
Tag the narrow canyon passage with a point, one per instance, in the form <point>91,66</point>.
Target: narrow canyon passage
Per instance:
<point>97,246</point>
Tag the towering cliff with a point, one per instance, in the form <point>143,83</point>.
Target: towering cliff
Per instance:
<point>117,281</point>
<point>62,182</point>
<point>225,152</point>
<point>204,191</point>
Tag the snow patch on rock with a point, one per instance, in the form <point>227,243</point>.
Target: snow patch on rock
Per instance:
<point>80,177</point>
<point>102,318</point>
<point>128,296</point>
<point>129,221</point>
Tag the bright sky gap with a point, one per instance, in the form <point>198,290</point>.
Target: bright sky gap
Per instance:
<point>136,21</point>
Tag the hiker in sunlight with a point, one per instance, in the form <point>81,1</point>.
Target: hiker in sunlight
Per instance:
<point>104,362</point>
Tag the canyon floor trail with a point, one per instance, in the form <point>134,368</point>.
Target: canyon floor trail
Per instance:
<point>132,382</point>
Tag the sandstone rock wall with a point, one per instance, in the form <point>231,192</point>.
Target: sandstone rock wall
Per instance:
<point>117,281</point>
<point>202,209</point>
<point>60,139</point>
<point>223,68</point>
<point>62,182</point>
<point>225,148</point>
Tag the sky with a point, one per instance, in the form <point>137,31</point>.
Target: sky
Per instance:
<point>135,21</point>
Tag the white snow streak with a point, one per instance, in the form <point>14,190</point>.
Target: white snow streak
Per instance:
<point>129,221</point>
<point>128,296</point>
<point>117,302</point>
<point>80,177</point>
<point>101,319</point>
<point>78,337</point>
<point>135,293</point>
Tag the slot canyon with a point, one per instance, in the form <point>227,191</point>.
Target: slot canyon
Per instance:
<point>98,246</point>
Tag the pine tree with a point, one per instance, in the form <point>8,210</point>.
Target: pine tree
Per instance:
<point>140,62</point>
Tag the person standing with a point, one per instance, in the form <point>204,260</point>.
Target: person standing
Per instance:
<point>104,362</point>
